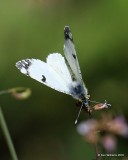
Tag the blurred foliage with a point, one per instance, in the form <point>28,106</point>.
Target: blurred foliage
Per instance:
<point>42,127</point>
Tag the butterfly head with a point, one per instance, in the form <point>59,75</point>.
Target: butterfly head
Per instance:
<point>86,100</point>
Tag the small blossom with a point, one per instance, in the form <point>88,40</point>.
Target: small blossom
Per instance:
<point>87,126</point>
<point>88,129</point>
<point>109,143</point>
<point>91,130</point>
<point>119,126</point>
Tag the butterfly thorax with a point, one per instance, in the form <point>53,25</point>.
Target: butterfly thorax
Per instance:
<point>78,91</point>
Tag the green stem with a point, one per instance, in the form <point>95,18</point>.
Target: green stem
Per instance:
<point>3,92</point>
<point>7,136</point>
<point>96,150</point>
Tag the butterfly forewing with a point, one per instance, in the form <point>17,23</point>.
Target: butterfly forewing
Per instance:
<point>54,73</point>
<point>70,54</point>
<point>71,57</point>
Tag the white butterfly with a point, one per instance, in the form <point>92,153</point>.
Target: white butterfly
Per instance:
<point>59,73</point>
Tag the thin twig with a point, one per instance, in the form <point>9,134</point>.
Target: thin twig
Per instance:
<point>3,92</point>
<point>96,146</point>
<point>96,150</point>
<point>7,136</point>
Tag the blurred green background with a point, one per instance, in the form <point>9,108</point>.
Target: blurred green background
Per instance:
<point>42,127</point>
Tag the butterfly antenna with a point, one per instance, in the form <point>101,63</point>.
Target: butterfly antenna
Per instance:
<point>79,114</point>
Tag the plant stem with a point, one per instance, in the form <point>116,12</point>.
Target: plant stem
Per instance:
<point>97,151</point>
<point>3,92</point>
<point>96,146</point>
<point>7,136</point>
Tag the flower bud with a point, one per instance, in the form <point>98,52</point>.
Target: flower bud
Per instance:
<point>20,92</point>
